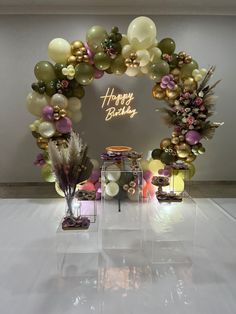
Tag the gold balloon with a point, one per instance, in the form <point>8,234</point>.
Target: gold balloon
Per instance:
<point>190,84</point>
<point>71,60</point>
<point>191,157</point>
<point>175,140</point>
<point>42,143</point>
<point>176,73</point>
<point>174,134</point>
<point>173,93</point>
<point>183,150</point>
<point>166,142</point>
<point>76,45</point>
<point>158,92</point>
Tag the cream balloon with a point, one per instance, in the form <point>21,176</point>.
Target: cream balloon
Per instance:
<point>95,164</point>
<point>74,104</point>
<point>35,103</point>
<point>75,116</point>
<point>155,54</point>
<point>155,165</point>
<point>141,32</point>
<point>112,189</point>
<point>132,71</point>
<point>144,70</point>
<point>113,173</point>
<point>144,164</point>
<point>46,129</point>
<point>59,100</point>
<point>177,183</point>
<point>59,50</point>
<point>143,57</point>
<point>127,50</point>
<point>124,41</point>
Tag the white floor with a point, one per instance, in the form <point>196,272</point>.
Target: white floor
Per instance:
<point>30,284</point>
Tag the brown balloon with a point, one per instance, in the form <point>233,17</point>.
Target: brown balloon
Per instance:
<point>166,142</point>
<point>190,84</point>
<point>183,150</point>
<point>76,45</point>
<point>175,140</point>
<point>191,157</point>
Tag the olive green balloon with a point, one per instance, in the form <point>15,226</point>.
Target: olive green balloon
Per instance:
<point>84,73</point>
<point>187,69</point>
<point>167,158</point>
<point>156,153</point>
<point>174,62</point>
<point>51,88</point>
<point>95,36</point>
<point>118,66</point>
<point>78,92</point>
<point>44,71</point>
<point>58,70</point>
<point>158,69</point>
<point>102,61</point>
<point>109,71</point>
<point>167,45</point>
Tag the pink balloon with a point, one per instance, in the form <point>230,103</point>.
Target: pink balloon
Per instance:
<point>47,113</point>
<point>64,125</point>
<point>89,52</point>
<point>98,186</point>
<point>98,73</point>
<point>147,175</point>
<point>88,186</point>
<point>192,137</point>
<point>95,175</point>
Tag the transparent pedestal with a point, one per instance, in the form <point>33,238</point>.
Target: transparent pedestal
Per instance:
<point>78,250</point>
<point>121,205</point>
<point>169,234</point>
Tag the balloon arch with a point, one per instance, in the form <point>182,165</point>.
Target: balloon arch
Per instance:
<point>179,82</point>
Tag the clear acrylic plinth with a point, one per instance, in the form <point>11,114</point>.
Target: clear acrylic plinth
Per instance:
<point>169,234</point>
<point>78,251</point>
<point>124,229</point>
<point>122,215</point>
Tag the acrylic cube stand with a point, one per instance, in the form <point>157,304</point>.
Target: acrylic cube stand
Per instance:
<point>78,250</point>
<point>170,228</point>
<point>122,230</point>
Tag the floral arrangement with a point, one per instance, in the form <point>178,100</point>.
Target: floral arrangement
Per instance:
<point>71,167</point>
<point>57,93</point>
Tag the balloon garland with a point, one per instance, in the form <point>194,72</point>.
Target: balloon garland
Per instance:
<point>56,96</point>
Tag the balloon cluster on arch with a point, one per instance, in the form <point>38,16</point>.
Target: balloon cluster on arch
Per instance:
<point>55,99</point>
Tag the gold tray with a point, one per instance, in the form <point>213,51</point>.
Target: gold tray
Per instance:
<point>118,149</point>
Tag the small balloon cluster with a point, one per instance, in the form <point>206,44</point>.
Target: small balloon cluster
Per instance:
<point>56,95</point>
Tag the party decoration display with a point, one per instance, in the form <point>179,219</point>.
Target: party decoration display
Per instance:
<point>178,81</point>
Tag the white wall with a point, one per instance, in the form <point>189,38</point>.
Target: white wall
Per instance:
<point>23,42</point>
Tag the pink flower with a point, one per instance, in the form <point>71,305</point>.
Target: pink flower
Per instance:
<point>64,83</point>
<point>190,120</point>
<point>198,101</point>
<point>39,161</point>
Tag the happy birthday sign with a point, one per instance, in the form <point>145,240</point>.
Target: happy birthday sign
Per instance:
<point>118,105</point>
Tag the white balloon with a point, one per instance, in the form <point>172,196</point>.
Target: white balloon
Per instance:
<point>141,32</point>
<point>112,189</point>
<point>132,71</point>
<point>46,129</point>
<point>143,57</point>
<point>35,103</point>
<point>113,173</point>
<point>127,50</point>
<point>74,104</point>
<point>59,100</point>
<point>155,54</point>
<point>59,50</point>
